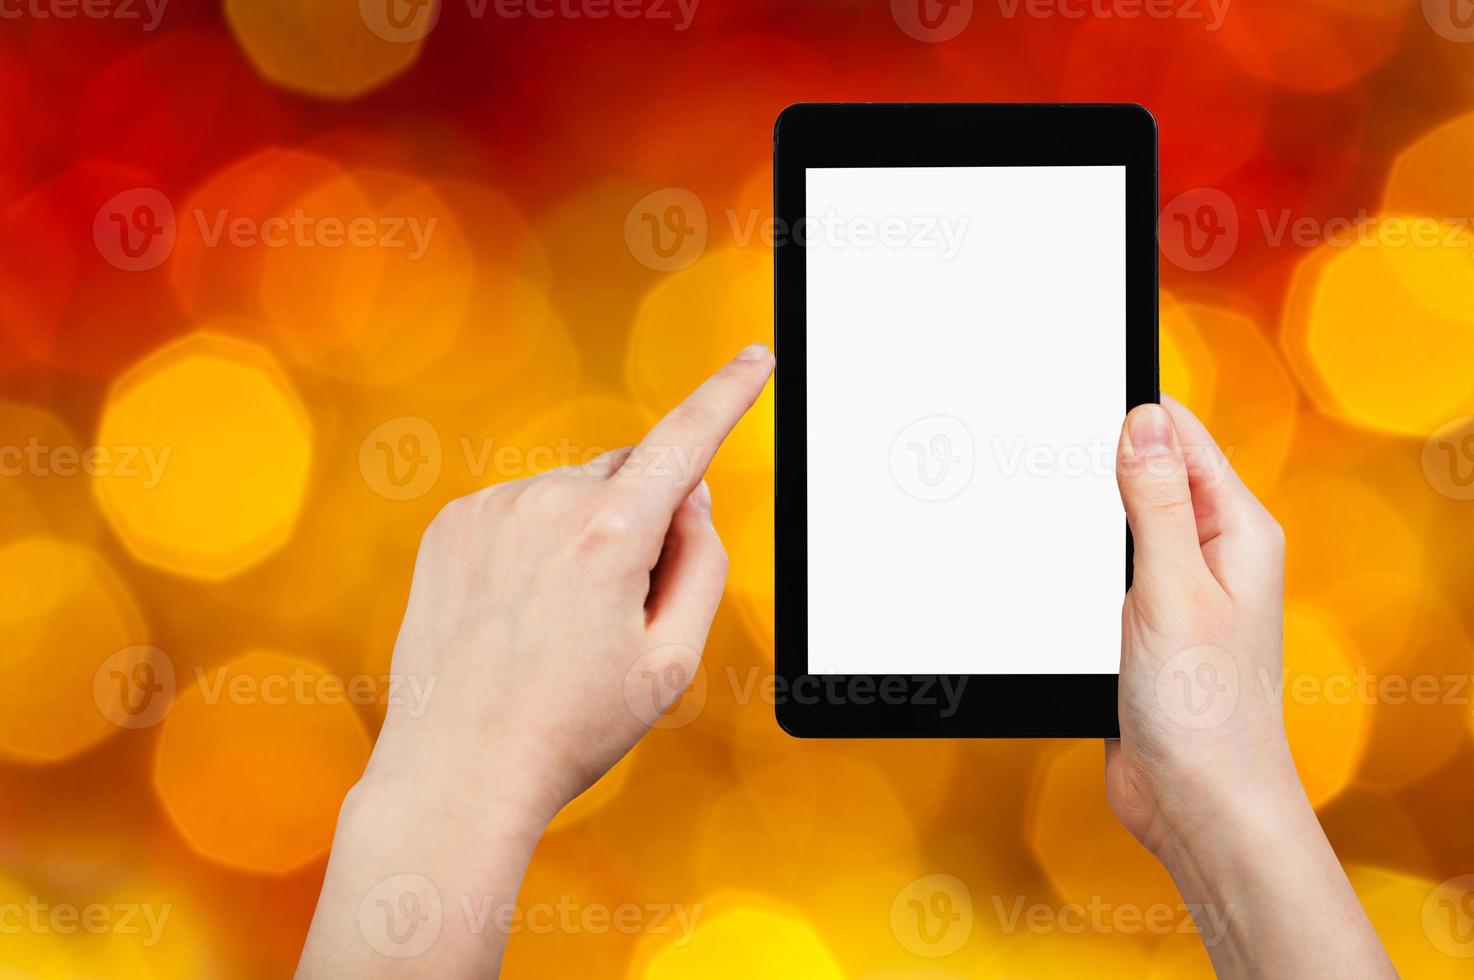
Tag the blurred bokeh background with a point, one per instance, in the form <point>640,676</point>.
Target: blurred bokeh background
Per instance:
<point>280,277</point>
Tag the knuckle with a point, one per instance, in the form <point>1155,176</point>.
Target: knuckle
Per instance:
<point>458,519</point>
<point>445,525</point>
<point>1163,500</point>
<point>524,498</point>
<point>606,463</point>
<point>608,528</point>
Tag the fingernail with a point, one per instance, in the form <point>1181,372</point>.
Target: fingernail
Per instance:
<point>754,352</point>
<point>1151,431</point>
<point>701,497</point>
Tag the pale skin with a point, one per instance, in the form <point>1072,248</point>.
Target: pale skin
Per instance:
<point>543,606</point>
<point>1214,794</point>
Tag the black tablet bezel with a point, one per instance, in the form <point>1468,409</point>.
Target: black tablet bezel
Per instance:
<point>920,135</point>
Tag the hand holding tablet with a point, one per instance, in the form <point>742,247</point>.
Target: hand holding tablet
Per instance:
<point>967,306</point>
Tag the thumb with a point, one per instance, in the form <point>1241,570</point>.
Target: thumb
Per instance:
<point>686,584</point>
<point>1152,474</point>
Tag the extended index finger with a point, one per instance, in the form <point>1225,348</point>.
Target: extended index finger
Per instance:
<point>672,458</point>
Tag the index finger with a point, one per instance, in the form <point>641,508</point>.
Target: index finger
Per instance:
<point>672,458</point>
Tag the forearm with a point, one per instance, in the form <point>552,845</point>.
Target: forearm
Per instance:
<point>418,886</point>
<point>1269,896</point>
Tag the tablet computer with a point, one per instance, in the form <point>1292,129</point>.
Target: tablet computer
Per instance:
<point>966,306</point>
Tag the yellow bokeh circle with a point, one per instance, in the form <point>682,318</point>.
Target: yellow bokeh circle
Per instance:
<point>1399,905</point>
<point>1431,176</point>
<point>1326,719</point>
<point>1078,841</point>
<point>1253,432</point>
<point>1381,330</point>
<point>333,49</point>
<point>692,323</point>
<point>233,447</point>
<point>44,471</point>
<point>65,612</point>
<point>747,940</point>
<point>1187,369</point>
<point>255,758</point>
<point>367,276</point>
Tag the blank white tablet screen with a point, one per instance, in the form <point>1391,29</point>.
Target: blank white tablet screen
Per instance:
<point>966,383</point>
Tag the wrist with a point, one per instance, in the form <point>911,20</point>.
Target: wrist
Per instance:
<point>1215,827</point>
<point>407,846</point>
<point>470,788</point>
<point>1249,857</point>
